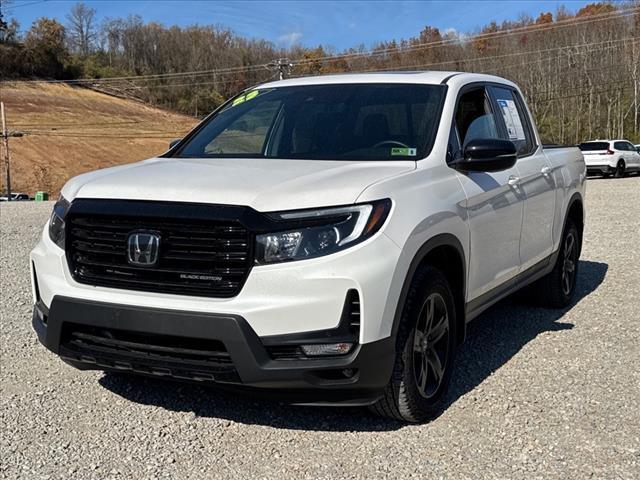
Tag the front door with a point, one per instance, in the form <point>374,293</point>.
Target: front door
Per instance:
<point>493,206</point>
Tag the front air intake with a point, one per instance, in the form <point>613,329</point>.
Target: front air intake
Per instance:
<point>348,332</point>
<point>352,311</point>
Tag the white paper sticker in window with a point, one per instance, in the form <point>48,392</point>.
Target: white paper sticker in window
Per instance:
<point>512,119</point>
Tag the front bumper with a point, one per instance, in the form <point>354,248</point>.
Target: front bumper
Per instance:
<point>216,349</point>
<point>278,299</point>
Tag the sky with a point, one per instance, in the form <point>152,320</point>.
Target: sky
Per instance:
<point>336,24</point>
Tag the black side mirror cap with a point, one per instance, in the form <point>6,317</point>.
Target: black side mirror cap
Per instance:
<point>174,142</point>
<point>487,155</point>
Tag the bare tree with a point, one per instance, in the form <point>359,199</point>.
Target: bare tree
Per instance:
<point>81,27</point>
<point>4,26</point>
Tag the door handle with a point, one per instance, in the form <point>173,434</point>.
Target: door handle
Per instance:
<point>546,171</point>
<point>513,181</point>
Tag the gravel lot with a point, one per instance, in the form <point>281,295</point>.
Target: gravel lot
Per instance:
<point>537,394</point>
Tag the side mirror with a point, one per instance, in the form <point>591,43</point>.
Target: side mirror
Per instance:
<point>174,142</point>
<point>487,155</point>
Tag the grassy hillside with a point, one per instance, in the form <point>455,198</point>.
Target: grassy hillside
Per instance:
<point>71,130</point>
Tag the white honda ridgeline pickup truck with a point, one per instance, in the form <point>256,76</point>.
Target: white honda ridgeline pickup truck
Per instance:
<point>325,239</point>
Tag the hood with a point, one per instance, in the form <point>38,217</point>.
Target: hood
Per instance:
<point>263,184</point>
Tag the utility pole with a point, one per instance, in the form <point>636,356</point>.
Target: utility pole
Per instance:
<point>5,137</point>
<point>283,65</point>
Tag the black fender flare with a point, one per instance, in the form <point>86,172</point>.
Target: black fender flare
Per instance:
<point>440,240</point>
<point>576,197</point>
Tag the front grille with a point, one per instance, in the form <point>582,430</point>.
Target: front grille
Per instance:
<point>197,257</point>
<point>160,355</point>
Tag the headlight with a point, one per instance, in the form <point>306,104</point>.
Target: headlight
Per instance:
<point>56,222</point>
<point>320,232</point>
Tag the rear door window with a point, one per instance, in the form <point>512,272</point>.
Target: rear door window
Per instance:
<point>515,119</point>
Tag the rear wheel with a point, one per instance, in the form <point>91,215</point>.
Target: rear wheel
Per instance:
<point>425,351</point>
<point>620,169</point>
<point>556,289</point>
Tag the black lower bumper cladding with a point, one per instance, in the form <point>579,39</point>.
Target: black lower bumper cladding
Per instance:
<point>600,169</point>
<point>216,349</point>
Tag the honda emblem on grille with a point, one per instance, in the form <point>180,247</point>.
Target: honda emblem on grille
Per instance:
<point>143,248</point>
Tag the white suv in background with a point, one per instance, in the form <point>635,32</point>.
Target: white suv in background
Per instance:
<point>611,157</point>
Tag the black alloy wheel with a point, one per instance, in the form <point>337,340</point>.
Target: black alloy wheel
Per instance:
<point>431,345</point>
<point>570,259</point>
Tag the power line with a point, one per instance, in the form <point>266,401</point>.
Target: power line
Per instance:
<point>506,55</point>
<point>159,135</point>
<point>162,134</point>
<point>570,22</point>
<point>62,125</point>
<point>584,88</point>
<point>424,65</point>
<point>621,89</point>
<point>221,71</point>
<point>208,82</point>
<point>527,63</point>
<point>26,4</point>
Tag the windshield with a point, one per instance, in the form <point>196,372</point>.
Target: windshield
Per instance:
<point>592,146</point>
<point>332,122</point>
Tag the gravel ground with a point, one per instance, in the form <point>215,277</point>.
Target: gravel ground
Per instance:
<point>537,394</point>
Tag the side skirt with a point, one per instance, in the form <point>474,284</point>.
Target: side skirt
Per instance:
<point>478,305</point>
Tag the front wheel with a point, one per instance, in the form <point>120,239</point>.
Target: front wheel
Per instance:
<point>425,351</point>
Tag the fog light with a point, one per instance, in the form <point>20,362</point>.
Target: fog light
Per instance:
<point>348,372</point>
<point>326,349</point>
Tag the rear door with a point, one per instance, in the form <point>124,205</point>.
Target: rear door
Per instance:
<point>535,177</point>
<point>493,206</point>
<point>633,157</point>
<point>620,150</point>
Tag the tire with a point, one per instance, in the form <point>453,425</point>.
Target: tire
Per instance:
<point>556,289</point>
<point>422,369</point>
<point>620,169</point>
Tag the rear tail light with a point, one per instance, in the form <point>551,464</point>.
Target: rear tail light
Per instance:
<point>608,152</point>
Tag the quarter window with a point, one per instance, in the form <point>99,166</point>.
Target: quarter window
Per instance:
<point>515,120</point>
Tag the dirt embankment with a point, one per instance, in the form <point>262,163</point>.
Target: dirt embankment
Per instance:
<point>71,130</point>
